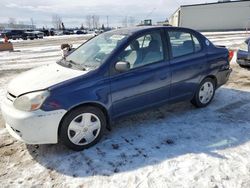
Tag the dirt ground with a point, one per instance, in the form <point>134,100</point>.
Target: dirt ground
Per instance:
<point>240,77</point>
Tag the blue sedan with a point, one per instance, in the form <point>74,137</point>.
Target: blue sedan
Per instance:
<point>243,55</point>
<point>114,74</point>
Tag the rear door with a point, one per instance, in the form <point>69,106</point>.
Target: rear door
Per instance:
<point>148,81</point>
<point>188,62</point>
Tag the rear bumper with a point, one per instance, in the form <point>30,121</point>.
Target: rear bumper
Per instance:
<point>37,127</point>
<point>223,76</point>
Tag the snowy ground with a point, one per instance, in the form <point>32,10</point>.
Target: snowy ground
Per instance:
<point>171,146</point>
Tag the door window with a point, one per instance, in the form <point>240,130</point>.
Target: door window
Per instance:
<point>183,43</point>
<point>144,50</point>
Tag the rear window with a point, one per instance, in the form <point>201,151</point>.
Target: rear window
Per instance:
<point>183,43</point>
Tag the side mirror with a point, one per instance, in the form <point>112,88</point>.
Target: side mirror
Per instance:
<point>122,66</point>
<point>66,49</point>
<point>68,46</point>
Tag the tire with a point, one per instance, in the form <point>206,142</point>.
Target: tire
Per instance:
<point>204,94</point>
<point>75,134</point>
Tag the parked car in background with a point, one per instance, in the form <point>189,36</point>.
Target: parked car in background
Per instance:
<point>80,32</point>
<point>19,34</point>
<point>243,55</point>
<point>45,32</point>
<point>114,74</point>
<point>99,31</point>
<point>38,34</point>
<point>14,34</point>
<point>29,35</point>
<point>58,32</point>
<point>68,32</point>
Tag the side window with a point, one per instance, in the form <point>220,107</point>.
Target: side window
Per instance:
<point>183,43</point>
<point>144,50</point>
<point>144,41</point>
<point>197,45</point>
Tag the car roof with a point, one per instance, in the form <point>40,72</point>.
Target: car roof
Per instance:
<point>139,29</point>
<point>133,30</point>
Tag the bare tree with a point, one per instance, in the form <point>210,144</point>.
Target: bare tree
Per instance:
<point>82,27</point>
<point>12,22</point>
<point>21,24</point>
<point>88,20</point>
<point>32,23</point>
<point>57,21</point>
<point>63,27</point>
<point>92,21</point>
<point>96,21</point>
<point>131,21</point>
<point>125,22</point>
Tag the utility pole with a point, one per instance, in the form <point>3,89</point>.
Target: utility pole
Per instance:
<point>107,21</point>
<point>93,20</point>
<point>32,23</point>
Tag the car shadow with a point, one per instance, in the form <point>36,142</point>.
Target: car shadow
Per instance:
<point>244,67</point>
<point>157,135</point>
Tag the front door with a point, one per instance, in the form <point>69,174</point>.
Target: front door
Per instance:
<point>148,80</point>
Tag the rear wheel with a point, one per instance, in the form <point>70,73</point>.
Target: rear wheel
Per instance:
<point>82,128</point>
<point>204,93</point>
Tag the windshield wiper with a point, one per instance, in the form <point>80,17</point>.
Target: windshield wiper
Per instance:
<point>76,65</point>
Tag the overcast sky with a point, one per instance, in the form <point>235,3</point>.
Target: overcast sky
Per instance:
<point>73,12</point>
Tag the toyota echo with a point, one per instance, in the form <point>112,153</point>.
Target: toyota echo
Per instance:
<point>114,74</point>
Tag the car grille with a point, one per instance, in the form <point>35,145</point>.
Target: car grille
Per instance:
<point>11,97</point>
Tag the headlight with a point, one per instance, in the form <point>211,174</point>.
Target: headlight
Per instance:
<point>31,101</point>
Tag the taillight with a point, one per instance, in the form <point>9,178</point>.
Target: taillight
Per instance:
<point>230,55</point>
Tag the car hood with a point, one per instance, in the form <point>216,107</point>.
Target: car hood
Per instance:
<point>41,78</point>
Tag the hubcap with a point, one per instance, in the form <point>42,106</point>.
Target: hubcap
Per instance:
<point>84,129</point>
<point>206,92</point>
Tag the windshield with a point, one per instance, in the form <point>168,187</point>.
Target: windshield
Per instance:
<point>94,52</point>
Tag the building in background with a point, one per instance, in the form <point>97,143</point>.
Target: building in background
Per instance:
<point>163,23</point>
<point>219,16</point>
<point>6,26</point>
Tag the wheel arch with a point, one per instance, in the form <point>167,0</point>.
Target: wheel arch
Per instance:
<point>214,78</point>
<point>208,76</point>
<point>94,104</point>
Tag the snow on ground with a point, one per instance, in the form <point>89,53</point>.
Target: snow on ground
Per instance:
<point>172,146</point>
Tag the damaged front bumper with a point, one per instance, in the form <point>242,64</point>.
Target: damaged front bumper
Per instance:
<point>37,127</point>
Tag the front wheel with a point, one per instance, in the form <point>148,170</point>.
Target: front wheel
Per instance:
<point>204,93</point>
<point>82,128</point>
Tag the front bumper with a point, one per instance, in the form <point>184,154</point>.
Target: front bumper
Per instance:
<point>243,58</point>
<point>37,127</point>
<point>244,62</point>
